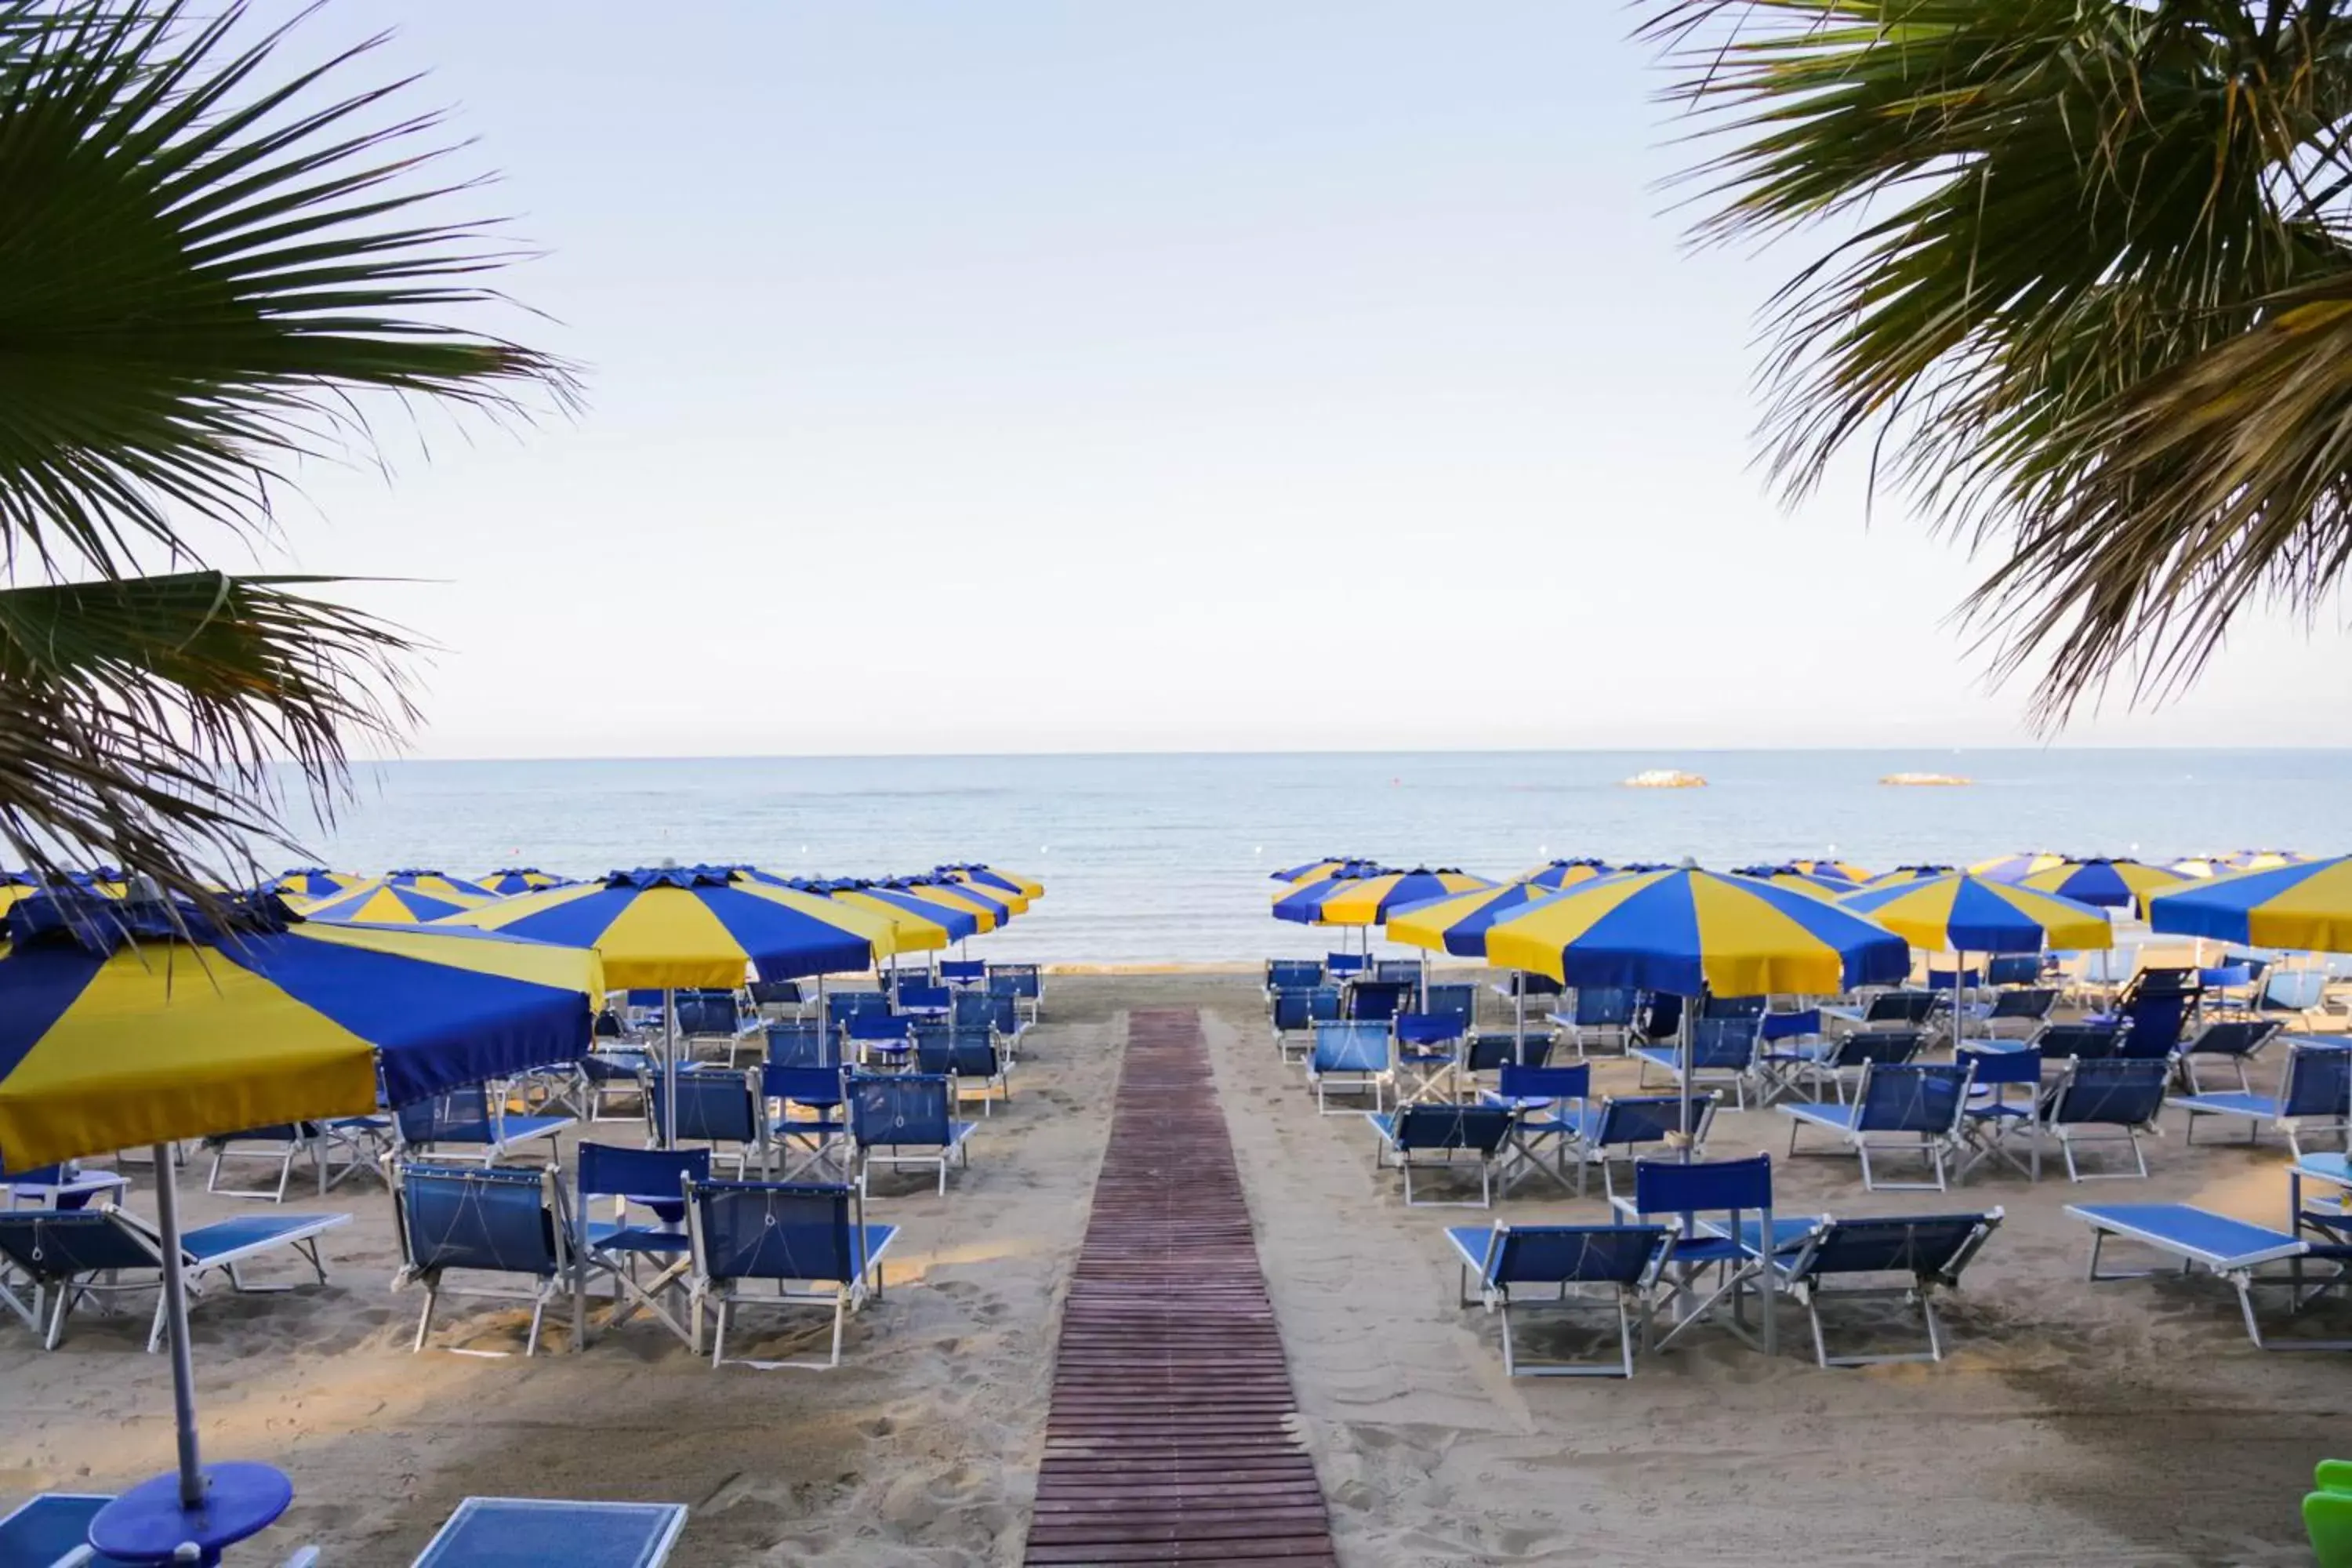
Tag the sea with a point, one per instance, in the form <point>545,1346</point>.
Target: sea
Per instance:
<point>1166,859</point>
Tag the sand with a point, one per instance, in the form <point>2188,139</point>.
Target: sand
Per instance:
<point>2127,1423</point>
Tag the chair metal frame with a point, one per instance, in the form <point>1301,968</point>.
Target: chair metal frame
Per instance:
<point>1634,1300</point>
<point>562,1272</point>
<point>718,1294</point>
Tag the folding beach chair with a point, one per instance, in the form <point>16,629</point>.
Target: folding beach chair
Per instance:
<point>2233,1249</point>
<point>1927,1251</point>
<point>905,1118</point>
<point>1597,1011</point>
<point>970,1058</point>
<point>470,1117</point>
<point>841,1006</point>
<point>1623,1126</point>
<point>1414,1133</point>
<point>1995,1115</point>
<point>1342,967</point>
<point>2314,1097</point>
<point>1809,1065</point>
<point>507,1532</point>
<point>362,1141</point>
<point>1917,1108</point>
<point>2234,1040</point>
<point>608,1073</point>
<point>1724,1051</point>
<point>1491,1050</point>
<point>1375,1001</point>
<point>1522,1268</point>
<point>885,1040</point>
<point>2154,1021</point>
<point>1428,1057</point>
<point>1543,1101</point>
<point>1350,1058</point>
<point>1889,1009</point>
<point>652,1180</point>
<point>103,1251</point>
<point>1296,1014</point>
<point>491,1220</point>
<point>716,1105</point>
<point>1451,1001</point>
<point>810,1121</point>
<point>2224,988</point>
<point>926,1001</point>
<point>1025,982</point>
<point>1739,1193</point>
<point>775,999</point>
<point>2090,1040</point>
<point>1292,974</point>
<point>773,1232</point>
<point>2015,1014</point>
<point>2110,1100</point>
<point>2293,994</point>
<point>964,972</point>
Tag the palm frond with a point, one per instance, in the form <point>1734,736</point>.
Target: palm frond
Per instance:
<point>202,258</point>
<point>2042,212</point>
<point>138,716</point>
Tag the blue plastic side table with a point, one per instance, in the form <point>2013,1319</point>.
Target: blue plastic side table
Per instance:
<point>149,1525</point>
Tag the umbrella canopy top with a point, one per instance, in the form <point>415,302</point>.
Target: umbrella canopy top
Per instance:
<point>440,884</point>
<point>391,903</point>
<point>1964,912</point>
<point>987,876</point>
<point>316,882</point>
<point>1319,870</point>
<point>2112,884</point>
<point>512,879</point>
<point>2306,906</point>
<point>1456,923</point>
<point>1689,931</point>
<point>1820,884</point>
<point>2016,867</point>
<point>1909,874</point>
<point>1558,874</point>
<point>1367,901</point>
<point>149,1020</point>
<point>1845,868</point>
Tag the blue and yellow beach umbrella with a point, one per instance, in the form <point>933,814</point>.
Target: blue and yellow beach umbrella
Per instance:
<point>981,874</point>
<point>1689,931</point>
<point>1457,922</point>
<point>1967,913</point>
<point>992,909</point>
<point>150,1025</point>
<point>2016,867</point>
<point>2197,868</point>
<point>1322,870</point>
<point>388,903</point>
<point>2264,860</point>
<point>516,880</point>
<point>676,928</point>
<point>2306,906</point>
<point>1820,884</point>
<point>1844,868</point>
<point>1902,874</point>
<point>439,884</point>
<point>1554,875</point>
<point>303,883</point>
<point>1012,900</point>
<point>924,926</point>
<point>1367,901</point>
<point>2116,884</point>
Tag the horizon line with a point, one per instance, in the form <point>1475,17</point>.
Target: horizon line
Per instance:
<point>358,764</point>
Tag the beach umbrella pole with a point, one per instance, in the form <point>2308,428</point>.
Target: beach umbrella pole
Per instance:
<point>1689,1036</point>
<point>669,1067</point>
<point>175,1313</point>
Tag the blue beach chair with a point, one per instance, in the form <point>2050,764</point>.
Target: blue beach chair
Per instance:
<point>963,972</point>
<point>1622,1127</point>
<point>1296,1014</point>
<point>1292,974</point>
<point>489,1220</point>
<point>2314,1097</point>
<point>2115,1100</point>
<point>652,1180</point>
<point>52,1530</point>
<point>1915,1108</point>
<point>1809,1065</point>
<point>1597,1011</point>
<point>510,1531</point>
<point>102,1251</point>
<point>1723,1051</point>
<point>1412,1133</point>
<point>1544,1103</point>
<point>969,1057</point>
<point>2236,1041</point>
<point>905,1118</point>
<point>1530,1267</point>
<point>1995,1115</point>
<point>773,1233</point>
<point>2088,1039</point>
<point>1739,1193</point>
<point>470,1117</point>
<point>1428,1055</point>
<point>1024,982</point>
<point>716,1105</point>
<point>2232,1249</point>
<point>1926,1253</point>
<point>879,1037</point>
<point>1351,1057</point>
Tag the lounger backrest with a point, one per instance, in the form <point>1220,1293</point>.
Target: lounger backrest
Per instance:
<point>1703,1186</point>
<point>878,1026</point>
<point>1575,1254</point>
<point>1724,1042</point>
<point>976,1007</point>
<point>2117,1092</point>
<point>1451,1001</point>
<point>911,1110</point>
<point>1427,1028</point>
<point>1733,1007</point>
<point>55,1244</point>
<point>2225,976</point>
<point>777,993</point>
<point>2232,1037</point>
<point>1545,1082</point>
<point>1525,983</point>
<point>1635,1119</point>
<point>963,969</point>
<point>771,1230</point>
<point>1489,1050</point>
<point>2015,969</point>
<point>1375,1001</point>
<point>1986,1068</point>
<point>1900,1007</point>
<point>925,997</point>
<point>1350,1047</point>
<point>706,1013</point>
<point>968,1053</point>
<point>1397,971</point>
<point>1344,963</point>
<point>2034,1002</point>
<point>716,1107</point>
<point>1479,1127</point>
<point>807,1086</point>
<point>2318,1082</point>
<point>1293,1009</point>
<point>1885,1048</point>
<point>1911,1097</point>
<point>1928,1247</point>
<point>504,1218</point>
<point>1661,1013</point>
<point>841,1006</point>
<point>2056,1042</point>
<point>456,1115</point>
<point>1023,979</point>
<point>2156,1019</point>
<point>2292,989</point>
<point>1293,974</point>
<point>609,1169</point>
<point>1603,1006</point>
<point>1954,980</point>
<point>803,1044</point>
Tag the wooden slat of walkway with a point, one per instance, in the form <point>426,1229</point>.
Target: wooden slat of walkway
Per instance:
<point>1170,1439</point>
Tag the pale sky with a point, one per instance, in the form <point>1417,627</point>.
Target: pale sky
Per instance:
<point>1081,376</point>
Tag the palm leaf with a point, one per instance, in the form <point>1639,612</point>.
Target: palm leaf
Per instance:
<point>202,259</point>
<point>138,716</point>
<point>2042,215</point>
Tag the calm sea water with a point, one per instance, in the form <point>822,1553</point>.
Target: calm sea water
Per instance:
<point>1166,857</point>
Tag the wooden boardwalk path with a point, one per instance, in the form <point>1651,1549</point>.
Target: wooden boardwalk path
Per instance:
<point>1169,1439</point>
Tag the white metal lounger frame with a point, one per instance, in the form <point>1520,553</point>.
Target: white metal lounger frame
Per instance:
<point>1809,1293</point>
<point>304,1241</point>
<point>1639,1313</point>
<point>2237,1270</point>
<point>357,1136</point>
<point>656,1551</point>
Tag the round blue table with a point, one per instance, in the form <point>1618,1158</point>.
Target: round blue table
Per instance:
<point>149,1525</point>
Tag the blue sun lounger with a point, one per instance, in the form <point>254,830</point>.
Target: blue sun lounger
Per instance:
<point>1444,1132</point>
<point>1349,1056</point>
<point>1544,1264</point>
<point>499,1220</point>
<point>782,1235</point>
<point>506,1532</point>
<point>1927,1252</point>
<point>2315,1094</point>
<point>68,1254</point>
<point>1922,1105</point>
<point>52,1530</point>
<point>2232,1248</point>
